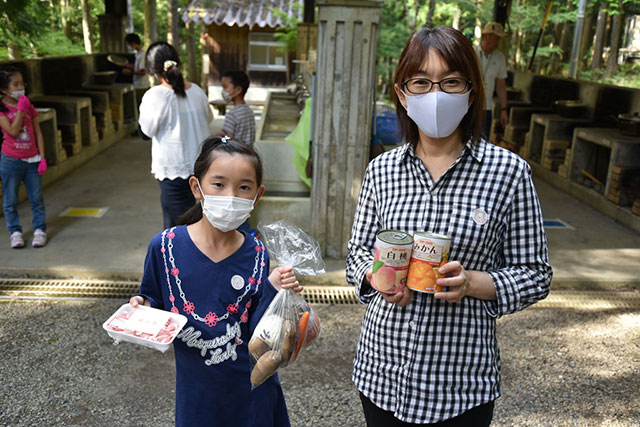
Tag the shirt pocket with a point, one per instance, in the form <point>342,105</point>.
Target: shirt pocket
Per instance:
<point>469,226</point>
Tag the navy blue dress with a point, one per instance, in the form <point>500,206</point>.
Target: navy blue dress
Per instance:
<point>223,302</point>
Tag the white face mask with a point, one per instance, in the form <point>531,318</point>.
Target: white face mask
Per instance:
<point>437,114</point>
<point>226,213</point>
<point>17,94</point>
<point>226,96</point>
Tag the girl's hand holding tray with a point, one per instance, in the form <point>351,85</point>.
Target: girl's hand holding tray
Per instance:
<point>289,323</point>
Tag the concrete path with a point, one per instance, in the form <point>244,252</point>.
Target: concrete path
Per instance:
<point>593,252</point>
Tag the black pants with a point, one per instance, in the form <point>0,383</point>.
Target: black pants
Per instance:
<point>479,416</point>
<point>176,198</point>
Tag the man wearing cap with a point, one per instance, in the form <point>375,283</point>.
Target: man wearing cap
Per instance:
<point>494,72</point>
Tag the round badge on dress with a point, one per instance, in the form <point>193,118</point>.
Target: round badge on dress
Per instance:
<point>237,282</point>
<point>480,216</point>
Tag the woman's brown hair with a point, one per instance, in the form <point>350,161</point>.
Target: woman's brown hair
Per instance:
<point>459,55</point>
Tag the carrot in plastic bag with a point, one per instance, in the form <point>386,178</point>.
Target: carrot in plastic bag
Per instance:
<point>302,332</point>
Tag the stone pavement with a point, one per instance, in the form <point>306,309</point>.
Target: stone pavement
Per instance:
<point>594,252</point>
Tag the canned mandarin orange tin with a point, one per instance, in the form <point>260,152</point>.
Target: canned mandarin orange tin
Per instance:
<point>430,252</point>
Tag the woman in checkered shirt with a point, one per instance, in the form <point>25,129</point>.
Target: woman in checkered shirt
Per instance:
<point>433,358</point>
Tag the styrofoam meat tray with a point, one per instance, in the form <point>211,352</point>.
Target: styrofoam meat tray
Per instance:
<point>145,326</point>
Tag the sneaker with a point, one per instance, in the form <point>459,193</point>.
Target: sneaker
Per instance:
<point>16,240</point>
<point>39,238</point>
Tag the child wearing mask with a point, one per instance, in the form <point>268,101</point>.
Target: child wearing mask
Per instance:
<point>217,276</point>
<point>22,158</point>
<point>240,122</point>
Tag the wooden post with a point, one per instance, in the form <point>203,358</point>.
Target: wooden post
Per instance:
<point>347,40</point>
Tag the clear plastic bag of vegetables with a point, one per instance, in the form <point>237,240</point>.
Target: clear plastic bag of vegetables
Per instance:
<point>289,324</point>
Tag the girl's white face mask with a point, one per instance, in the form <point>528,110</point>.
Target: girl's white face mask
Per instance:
<point>17,94</point>
<point>438,114</point>
<point>226,213</point>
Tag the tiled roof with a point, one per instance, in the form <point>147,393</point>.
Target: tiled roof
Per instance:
<point>242,12</point>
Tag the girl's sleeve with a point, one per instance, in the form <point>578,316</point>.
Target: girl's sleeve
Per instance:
<point>363,234</point>
<point>526,277</point>
<point>152,278</point>
<point>150,113</point>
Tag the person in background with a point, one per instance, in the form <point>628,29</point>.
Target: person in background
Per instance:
<point>494,73</point>
<point>433,358</point>
<point>140,79</point>
<point>175,115</point>
<point>22,158</point>
<point>240,122</point>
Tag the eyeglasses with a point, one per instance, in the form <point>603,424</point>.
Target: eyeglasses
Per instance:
<point>419,85</point>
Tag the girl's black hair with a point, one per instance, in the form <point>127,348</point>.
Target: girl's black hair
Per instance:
<point>211,148</point>
<point>5,77</point>
<point>155,59</point>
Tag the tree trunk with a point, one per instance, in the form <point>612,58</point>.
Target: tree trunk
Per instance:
<point>456,17</point>
<point>13,50</point>
<point>203,53</point>
<point>432,9</point>
<point>517,41</point>
<point>55,23</point>
<point>86,26</point>
<point>614,45</point>
<point>596,61</point>
<point>587,37</point>
<point>554,66</point>
<point>412,19</point>
<point>150,22</point>
<point>65,9</point>
<point>407,12</point>
<point>130,28</point>
<point>477,31</point>
<point>172,24</point>
<point>192,68</point>
<point>564,41</point>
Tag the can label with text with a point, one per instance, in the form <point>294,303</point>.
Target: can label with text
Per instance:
<point>391,261</point>
<point>430,252</point>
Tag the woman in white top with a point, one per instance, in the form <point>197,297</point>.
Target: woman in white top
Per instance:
<point>176,116</point>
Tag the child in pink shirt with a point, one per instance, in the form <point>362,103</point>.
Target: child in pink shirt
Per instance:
<point>22,158</point>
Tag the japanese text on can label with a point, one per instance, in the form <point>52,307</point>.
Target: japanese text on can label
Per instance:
<point>391,261</point>
<point>430,252</point>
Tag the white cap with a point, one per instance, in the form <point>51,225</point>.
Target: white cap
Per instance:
<point>494,28</point>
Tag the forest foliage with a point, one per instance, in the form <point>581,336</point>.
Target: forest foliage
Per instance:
<point>37,28</point>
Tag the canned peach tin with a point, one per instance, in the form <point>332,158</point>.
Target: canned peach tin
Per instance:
<point>391,261</point>
<point>430,251</point>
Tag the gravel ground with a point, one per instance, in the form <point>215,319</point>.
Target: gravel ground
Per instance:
<point>561,367</point>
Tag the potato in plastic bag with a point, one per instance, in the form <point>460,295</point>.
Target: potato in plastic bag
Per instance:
<point>288,325</point>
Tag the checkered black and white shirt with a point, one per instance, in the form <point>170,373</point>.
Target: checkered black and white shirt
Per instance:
<point>433,360</point>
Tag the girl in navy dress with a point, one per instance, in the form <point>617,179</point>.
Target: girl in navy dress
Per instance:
<point>217,276</point>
